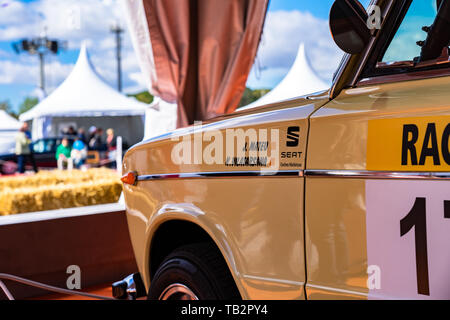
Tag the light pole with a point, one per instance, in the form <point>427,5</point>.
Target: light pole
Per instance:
<point>40,46</point>
<point>117,30</point>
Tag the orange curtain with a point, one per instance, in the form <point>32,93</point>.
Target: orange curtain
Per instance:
<point>203,51</point>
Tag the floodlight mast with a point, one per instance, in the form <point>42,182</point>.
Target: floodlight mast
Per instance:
<point>117,30</point>
<point>40,46</point>
<point>42,71</point>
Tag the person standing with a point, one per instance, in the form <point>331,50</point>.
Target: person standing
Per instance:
<point>110,140</point>
<point>71,132</point>
<point>96,142</point>
<point>23,149</point>
<point>111,145</point>
<point>81,134</point>
<point>92,131</point>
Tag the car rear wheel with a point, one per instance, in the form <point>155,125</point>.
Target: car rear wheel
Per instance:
<point>193,272</point>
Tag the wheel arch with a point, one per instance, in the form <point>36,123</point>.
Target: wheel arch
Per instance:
<point>163,242</point>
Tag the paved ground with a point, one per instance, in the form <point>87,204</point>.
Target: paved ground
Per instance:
<point>102,290</point>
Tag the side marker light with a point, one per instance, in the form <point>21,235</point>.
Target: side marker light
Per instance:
<point>129,178</point>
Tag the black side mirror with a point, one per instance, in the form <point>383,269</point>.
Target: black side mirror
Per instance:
<point>348,25</point>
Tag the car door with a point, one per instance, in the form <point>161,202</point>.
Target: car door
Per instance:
<point>377,201</point>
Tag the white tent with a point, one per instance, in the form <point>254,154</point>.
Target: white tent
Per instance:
<point>8,130</point>
<point>300,80</point>
<point>82,95</point>
<point>8,123</point>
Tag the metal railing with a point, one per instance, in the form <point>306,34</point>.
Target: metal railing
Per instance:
<point>43,286</point>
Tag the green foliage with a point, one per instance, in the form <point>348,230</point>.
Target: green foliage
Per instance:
<point>143,96</point>
<point>27,104</point>
<point>6,106</point>
<point>252,95</point>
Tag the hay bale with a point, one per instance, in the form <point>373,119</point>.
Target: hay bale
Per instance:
<point>58,190</point>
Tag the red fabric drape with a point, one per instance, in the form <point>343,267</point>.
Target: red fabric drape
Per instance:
<point>203,52</point>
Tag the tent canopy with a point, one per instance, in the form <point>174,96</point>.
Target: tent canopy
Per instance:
<point>85,94</point>
<point>8,123</point>
<point>300,80</point>
<point>8,130</point>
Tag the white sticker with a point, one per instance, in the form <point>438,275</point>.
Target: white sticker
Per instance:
<point>408,238</point>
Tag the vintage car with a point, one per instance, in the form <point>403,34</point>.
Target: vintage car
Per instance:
<point>343,194</point>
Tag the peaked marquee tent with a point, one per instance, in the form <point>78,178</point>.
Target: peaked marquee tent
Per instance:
<point>8,130</point>
<point>300,80</point>
<point>8,123</point>
<point>85,100</point>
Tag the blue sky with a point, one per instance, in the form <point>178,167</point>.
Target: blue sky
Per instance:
<point>289,22</point>
<point>404,47</point>
<point>318,8</point>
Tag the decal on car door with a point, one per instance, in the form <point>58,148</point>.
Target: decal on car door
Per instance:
<point>409,144</point>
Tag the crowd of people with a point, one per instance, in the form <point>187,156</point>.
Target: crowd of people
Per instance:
<point>75,154</point>
<point>94,139</point>
<point>73,150</point>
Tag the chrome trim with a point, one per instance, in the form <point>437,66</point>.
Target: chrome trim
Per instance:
<point>330,289</point>
<point>199,175</point>
<point>178,291</point>
<point>275,281</point>
<point>339,72</point>
<point>357,174</point>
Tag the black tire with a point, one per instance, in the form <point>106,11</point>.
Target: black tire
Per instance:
<point>200,269</point>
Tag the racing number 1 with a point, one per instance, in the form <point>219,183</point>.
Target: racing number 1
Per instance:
<point>417,218</point>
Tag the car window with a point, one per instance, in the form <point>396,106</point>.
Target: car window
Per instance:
<point>50,145</point>
<point>404,45</point>
<point>38,146</point>
<point>46,145</point>
<point>408,46</point>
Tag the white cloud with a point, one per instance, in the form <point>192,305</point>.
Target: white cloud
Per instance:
<point>56,73</point>
<point>28,73</point>
<point>139,79</point>
<point>74,21</point>
<point>283,33</point>
<point>11,72</point>
<point>13,13</point>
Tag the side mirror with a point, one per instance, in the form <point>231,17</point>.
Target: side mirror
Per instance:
<point>348,25</point>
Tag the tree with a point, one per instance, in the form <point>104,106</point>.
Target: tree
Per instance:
<point>143,96</point>
<point>6,106</point>
<point>27,104</point>
<point>250,96</point>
